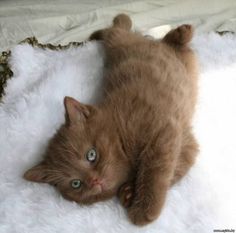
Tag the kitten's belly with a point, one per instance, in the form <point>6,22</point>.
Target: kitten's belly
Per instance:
<point>146,90</point>
<point>154,87</point>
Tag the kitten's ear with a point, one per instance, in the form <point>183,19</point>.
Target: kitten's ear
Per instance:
<point>37,173</point>
<point>75,111</point>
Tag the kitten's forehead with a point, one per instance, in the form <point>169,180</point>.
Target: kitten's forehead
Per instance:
<point>71,139</point>
<point>69,167</point>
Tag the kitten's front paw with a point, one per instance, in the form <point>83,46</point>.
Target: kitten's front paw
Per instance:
<point>139,216</point>
<point>125,194</point>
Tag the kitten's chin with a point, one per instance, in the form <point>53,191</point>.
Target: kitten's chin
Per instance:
<point>96,195</point>
<point>103,190</point>
<point>101,195</point>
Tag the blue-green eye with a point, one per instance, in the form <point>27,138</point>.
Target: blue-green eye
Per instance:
<point>91,155</point>
<point>75,184</point>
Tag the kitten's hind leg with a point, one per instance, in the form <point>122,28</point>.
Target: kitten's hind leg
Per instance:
<point>179,36</point>
<point>121,21</point>
<point>112,37</point>
<point>178,39</point>
<point>187,156</point>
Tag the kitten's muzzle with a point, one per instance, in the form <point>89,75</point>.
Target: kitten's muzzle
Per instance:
<point>95,181</point>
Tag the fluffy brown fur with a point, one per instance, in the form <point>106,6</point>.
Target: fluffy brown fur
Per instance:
<point>141,132</point>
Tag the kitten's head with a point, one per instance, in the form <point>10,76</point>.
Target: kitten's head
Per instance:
<point>85,159</point>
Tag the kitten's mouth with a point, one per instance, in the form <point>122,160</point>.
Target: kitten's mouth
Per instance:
<point>98,185</point>
<point>99,188</point>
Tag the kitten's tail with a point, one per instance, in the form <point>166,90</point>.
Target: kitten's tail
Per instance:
<point>179,36</point>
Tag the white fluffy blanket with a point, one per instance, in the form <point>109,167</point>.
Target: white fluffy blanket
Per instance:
<point>33,109</point>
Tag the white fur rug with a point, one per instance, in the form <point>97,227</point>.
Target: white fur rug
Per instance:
<point>33,109</point>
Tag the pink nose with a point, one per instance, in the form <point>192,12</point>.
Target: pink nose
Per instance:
<point>95,181</point>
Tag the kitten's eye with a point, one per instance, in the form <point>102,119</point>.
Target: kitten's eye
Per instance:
<point>75,184</point>
<point>91,155</point>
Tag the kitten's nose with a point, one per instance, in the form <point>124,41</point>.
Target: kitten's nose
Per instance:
<point>95,181</point>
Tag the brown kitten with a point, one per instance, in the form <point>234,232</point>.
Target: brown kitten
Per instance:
<point>138,141</point>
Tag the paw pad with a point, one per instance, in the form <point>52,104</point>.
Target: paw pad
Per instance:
<point>126,195</point>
